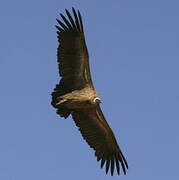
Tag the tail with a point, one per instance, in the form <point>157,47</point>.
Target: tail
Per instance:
<point>61,110</point>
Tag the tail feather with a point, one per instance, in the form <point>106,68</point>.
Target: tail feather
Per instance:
<point>61,110</point>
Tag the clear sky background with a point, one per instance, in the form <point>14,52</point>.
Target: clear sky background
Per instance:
<point>134,58</point>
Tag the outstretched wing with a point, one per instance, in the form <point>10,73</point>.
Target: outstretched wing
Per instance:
<point>72,54</point>
<point>96,131</point>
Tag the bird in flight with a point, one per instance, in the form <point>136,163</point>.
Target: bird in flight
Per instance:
<point>75,94</point>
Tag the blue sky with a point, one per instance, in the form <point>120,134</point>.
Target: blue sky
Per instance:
<point>134,58</point>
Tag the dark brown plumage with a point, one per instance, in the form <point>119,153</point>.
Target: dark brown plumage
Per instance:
<point>75,94</point>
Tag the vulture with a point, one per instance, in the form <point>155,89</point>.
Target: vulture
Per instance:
<point>75,94</point>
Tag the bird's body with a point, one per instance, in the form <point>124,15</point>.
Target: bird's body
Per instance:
<point>75,94</point>
<point>78,99</point>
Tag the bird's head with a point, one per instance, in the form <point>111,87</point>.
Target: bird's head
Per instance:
<point>96,100</point>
